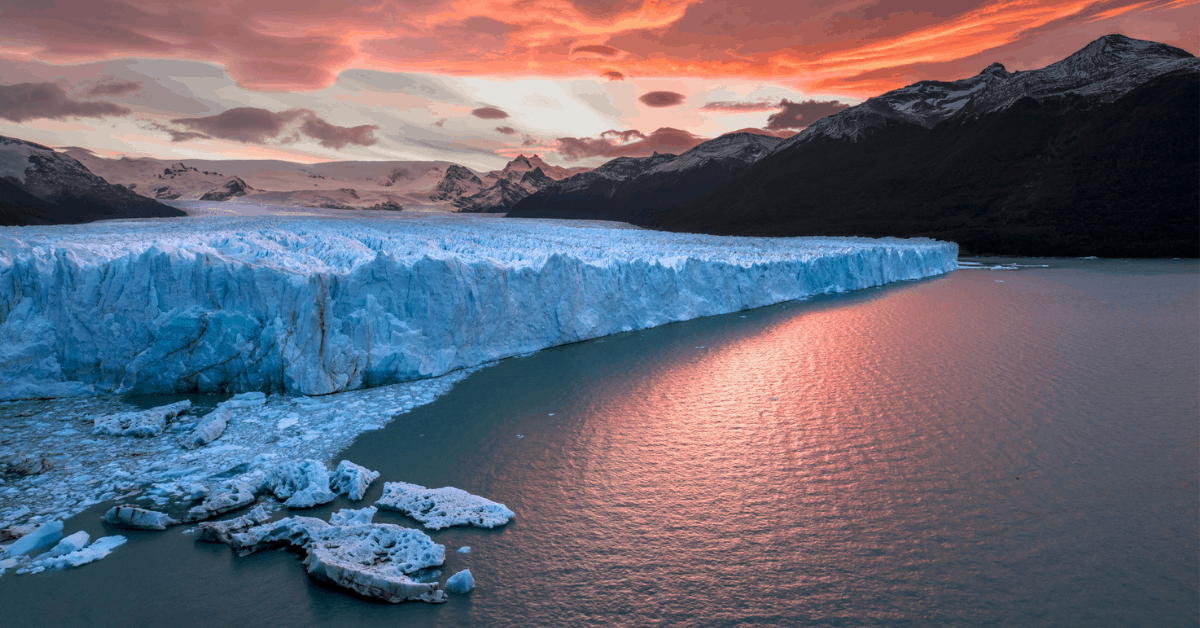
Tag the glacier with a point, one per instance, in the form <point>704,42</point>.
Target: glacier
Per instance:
<point>313,306</point>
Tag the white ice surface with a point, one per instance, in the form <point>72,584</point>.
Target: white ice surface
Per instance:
<point>320,305</point>
<point>349,517</point>
<point>100,548</point>
<point>461,582</point>
<point>301,484</point>
<point>41,538</point>
<point>438,508</point>
<point>352,480</point>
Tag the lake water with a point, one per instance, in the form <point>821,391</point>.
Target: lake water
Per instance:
<point>990,448</point>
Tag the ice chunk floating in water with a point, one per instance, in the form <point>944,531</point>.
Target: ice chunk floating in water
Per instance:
<point>316,306</point>
<point>439,508</point>
<point>461,582</point>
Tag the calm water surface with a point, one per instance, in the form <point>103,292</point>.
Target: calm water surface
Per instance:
<point>986,448</point>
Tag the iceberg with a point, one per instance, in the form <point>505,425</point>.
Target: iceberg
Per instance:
<point>438,508</point>
<point>134,518</point>
<point>461,582</point>
<point>72,543</point>
<point>41,538</point>
<point>320,305</point>
<point>99,548</point>
<point>207,430</point>
<point>301,484</point>
<point>223,531</point>
<point>374,559</point>
<point>352,480</point>
<point>229,496</point>
<point>348,516</point>
<point>141,424</point>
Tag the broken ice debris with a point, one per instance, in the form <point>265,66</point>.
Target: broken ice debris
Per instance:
<point>142,423</point>
<point>229,496</point>
<point>352,479</point>
<point>461,582</point>
<point>301,484</point>
<point>372,559</point>
<point>439,508</point>
<point>244,400</point>
<point>222,531</point>
<point>207,430</point>
<point>466,549</point>
<point>41,538</point>
<point>100,548</point>
<point>72,543</point>
<point>134,518</point>
<point>24,464</point>
<point>349,517</point>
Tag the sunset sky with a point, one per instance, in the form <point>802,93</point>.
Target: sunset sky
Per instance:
<point>479,81</point>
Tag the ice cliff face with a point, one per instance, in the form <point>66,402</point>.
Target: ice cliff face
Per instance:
<point>317,306</point>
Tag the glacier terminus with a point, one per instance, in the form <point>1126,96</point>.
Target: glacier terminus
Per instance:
<point>313,306</point>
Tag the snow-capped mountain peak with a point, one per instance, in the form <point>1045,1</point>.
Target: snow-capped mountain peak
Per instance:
<point>1107,68</point>
<point>740,147</point>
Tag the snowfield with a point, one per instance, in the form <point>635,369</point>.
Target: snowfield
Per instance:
<point>321,305</point>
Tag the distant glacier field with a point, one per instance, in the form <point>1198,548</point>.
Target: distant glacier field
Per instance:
<point>316,305</point>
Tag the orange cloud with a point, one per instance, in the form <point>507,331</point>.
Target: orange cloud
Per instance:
<point>851,47</point>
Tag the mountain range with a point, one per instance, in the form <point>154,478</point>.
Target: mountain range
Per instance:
<point>39,186</point>
<point>1094,155</point>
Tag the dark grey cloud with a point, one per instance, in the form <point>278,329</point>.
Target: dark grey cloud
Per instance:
<point>603,51</point>
<point>243,124</point>
<point>333,136</point>
<point>662,99</point>
<point>613,75</point>
<point>507,130</point>
<point>31,101</point>
<point>630,143</point>
<point>109,86</point>
<point>489,113</point>
<point>797,115</point>
<point>251,125</point>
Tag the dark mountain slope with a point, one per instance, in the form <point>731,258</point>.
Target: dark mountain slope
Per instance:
<point>637,190</point>
<point>65,191</point>
<point>1067,175</point>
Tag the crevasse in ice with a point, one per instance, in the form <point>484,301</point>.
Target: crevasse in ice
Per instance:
<point>316,306</point>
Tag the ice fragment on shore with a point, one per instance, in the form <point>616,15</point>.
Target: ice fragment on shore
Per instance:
<point>207,430</point>
<point>223,531</point>
<point>466,549</point>
<point>352,479</point>
<point>142,424</point>
<point>41,538</point>
<point>461,582</point>
<point>301,484</point>
<point>229,496</point>
<point>134,518</point>
<point>443,507</point>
